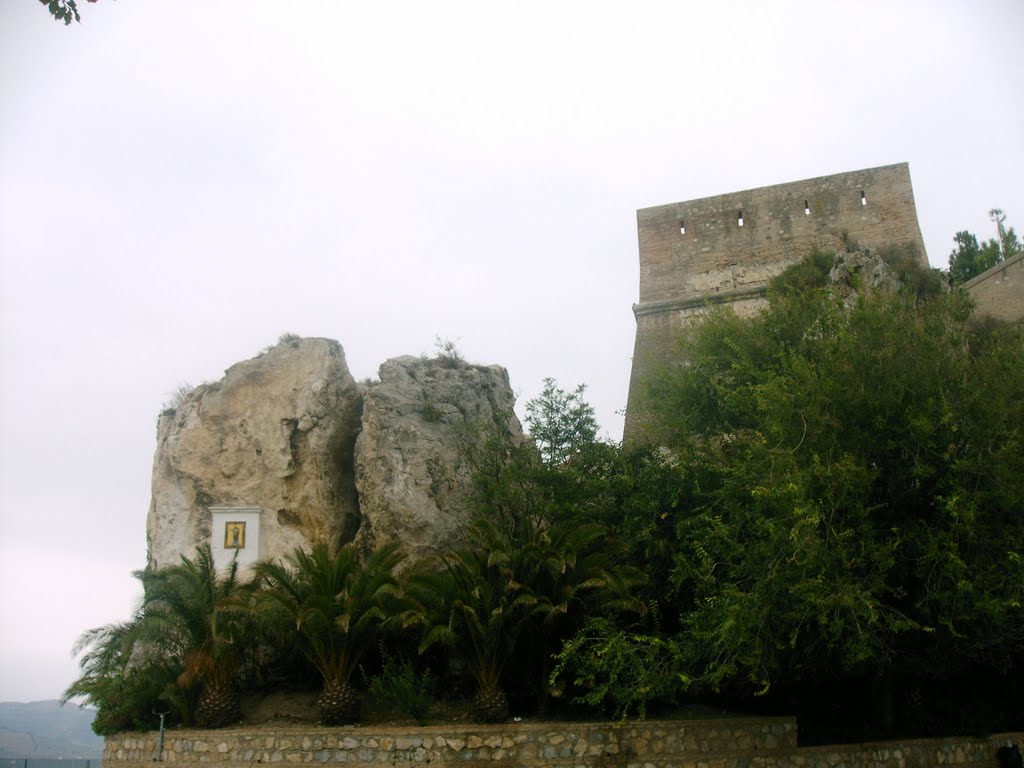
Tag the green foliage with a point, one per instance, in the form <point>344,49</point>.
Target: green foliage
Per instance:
<point>575,569</point>
<point>332,606</point>
<point>633,491</point>
<point>969,259</point>
<point>400,687</point>
<point>475,604</point>
<point>183,646</point>
<point>525,580</point>
<point>620,672</point>
<point>918,281</point>
<point>837,505</point>
<point>63,10</point>
<point>562,423</point>
<point>856,478</point>
<point>124,691</point>
<point>199,618</point>
<point>809,274</point>
<point>430,412</point>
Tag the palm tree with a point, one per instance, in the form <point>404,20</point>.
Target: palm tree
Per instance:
<point>198,616</point>
<point>187,634</point>
<point>528,582</point>
<point>573,569</point>
<point>124,691</point>
<point>478,606</point>
<point>334,605</point>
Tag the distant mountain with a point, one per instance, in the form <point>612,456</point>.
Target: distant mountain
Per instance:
<point>46,729</point>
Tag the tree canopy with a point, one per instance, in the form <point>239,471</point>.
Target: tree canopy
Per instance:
<point>969,259</point>
<point>562,423</point>
<point>859,476</point>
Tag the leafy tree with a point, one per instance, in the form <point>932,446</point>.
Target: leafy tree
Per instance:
<point>562,423</point>
<point>332,606</point>
<point>856,477</point>
<point>970,259</point>
<point>63,10</point>
<point>634,491</point>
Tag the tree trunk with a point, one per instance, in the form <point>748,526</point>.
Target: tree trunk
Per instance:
<point>490,704</point>
<point>218,706</point>
<point>338,704</point>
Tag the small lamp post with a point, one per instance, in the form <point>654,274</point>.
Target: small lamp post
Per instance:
<point>160,749</point>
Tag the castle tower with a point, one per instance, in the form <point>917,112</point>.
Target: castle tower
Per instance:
<point>728,248</point>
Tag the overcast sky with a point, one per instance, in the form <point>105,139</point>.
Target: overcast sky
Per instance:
<point>181,182</point>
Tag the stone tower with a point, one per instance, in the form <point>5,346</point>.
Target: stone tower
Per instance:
<point>727,248</point>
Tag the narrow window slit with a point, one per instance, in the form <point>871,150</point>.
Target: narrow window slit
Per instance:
<point>863,198</point>
<point>807,209</point>
<point>739,219</point>
<point>682,227</point>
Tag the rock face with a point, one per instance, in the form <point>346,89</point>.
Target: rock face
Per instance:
<point>276,433</point>
<point>423,425</point>
<point>860,270</point>
<point>290,446</point>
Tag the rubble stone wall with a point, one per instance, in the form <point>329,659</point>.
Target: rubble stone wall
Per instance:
<point>710,743</point>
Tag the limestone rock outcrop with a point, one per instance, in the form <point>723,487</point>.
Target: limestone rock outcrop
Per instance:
<point>288,444</point>
<point>424,424</point>
<point>277,433</point>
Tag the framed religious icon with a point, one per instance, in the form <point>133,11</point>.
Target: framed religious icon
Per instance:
<point>234,535</point>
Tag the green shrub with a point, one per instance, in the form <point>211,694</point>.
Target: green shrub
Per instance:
<point>806,275</point>
<point>401,688</point>
<point>619,672</point>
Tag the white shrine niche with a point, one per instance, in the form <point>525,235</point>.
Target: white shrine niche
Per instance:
<point>235,534</point>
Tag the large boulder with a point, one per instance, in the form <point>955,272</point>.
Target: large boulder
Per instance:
<point>275,437</point>
<point>426,423</point>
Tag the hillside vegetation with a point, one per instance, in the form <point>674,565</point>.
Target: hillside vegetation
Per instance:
<point>827,522</point>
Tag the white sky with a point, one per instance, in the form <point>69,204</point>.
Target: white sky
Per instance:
<point>181,182</point>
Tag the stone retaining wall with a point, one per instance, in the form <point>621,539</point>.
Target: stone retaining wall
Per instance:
<point>712,743</point>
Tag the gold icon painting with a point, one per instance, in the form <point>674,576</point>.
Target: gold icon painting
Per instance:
<point>234,535</point>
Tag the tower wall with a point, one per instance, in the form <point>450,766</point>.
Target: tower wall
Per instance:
<point>727,248</point>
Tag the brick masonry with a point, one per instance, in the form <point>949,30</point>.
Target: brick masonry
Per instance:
<point>727,249</point>
<point>709,743</point>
